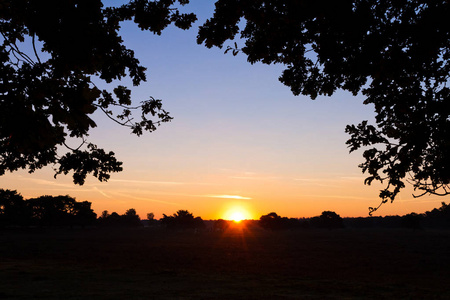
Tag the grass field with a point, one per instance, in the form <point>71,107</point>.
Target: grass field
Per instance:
<point>240,263</point>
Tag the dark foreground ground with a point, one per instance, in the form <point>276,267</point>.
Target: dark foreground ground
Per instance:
<point>237,264</point>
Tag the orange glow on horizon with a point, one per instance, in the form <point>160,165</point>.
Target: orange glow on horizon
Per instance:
<point>237,213</point>
<point>237,216</point>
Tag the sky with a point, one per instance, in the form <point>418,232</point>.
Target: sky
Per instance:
<point>239,141</point>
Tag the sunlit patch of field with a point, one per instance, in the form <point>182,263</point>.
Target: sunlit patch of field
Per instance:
<point>239,263</point>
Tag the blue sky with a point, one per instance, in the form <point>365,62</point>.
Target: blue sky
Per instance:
<point>239,138</point>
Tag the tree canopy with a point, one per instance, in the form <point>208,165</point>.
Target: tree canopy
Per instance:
<point>182,219</point>
<point>44,211</point>
<point>129,219</point>
<point>395,53</point>
<point>48,94</point>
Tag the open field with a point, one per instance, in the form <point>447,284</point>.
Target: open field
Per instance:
<point>239,263</point>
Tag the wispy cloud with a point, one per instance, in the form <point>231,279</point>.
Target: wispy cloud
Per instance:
<point>101,192</point>
<point>128,196</point>
<point>317,182</point>
<point>337,197</point>
<point>405,199</point>
<point>50,182</point>
<point>255,177</point>
<point>329,181</point>
<point>156,182</point>
<point>147,182</point>
<point>237,197</point>
<point>353,178</point>
<point>307,179</point>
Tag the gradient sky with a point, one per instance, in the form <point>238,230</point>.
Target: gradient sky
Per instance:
<point>239,139</point>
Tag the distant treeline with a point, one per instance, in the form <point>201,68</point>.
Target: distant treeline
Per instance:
<point>52,211</point>
<point>328,219</point>
<point>437,218</point>
<point>48,211</point>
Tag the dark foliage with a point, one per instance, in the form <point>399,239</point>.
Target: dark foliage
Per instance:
<point>182,219</point>
<point>151,221</point>
<point>328,219</point>
<point>13,209</point>
<point>47,96</point>
<point>412,221</point>
<point>438,217</point>
<point>221,225</point>
<point>44,211</point>
<point>275,222</point>
<point>129,219</point>
<point>396,53</point>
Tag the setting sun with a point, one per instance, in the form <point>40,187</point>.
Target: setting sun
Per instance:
<point>237,214</point>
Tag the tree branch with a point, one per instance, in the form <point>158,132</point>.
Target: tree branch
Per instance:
<point>120,123</point>
<point>34,48</point>
<point>78,148</point>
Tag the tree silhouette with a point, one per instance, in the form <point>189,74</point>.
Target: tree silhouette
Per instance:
<point>83,214</point>
<point>47,95</point>
<point>44,211</point>
<point>104,215</point>
<point>270,221</point>
<point>49,210</point>
<point>396,53</point>
<point>220,225</point>
<point>13,210</point>
<point>151,219</point>
<point>412,220</point>
<point>182,219</point>
<point>328,219</point>
<point>113,219</point>
<point>438,217</point>
<point>60,211</point>
<point>130,218</point>
<point>274,221</point>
